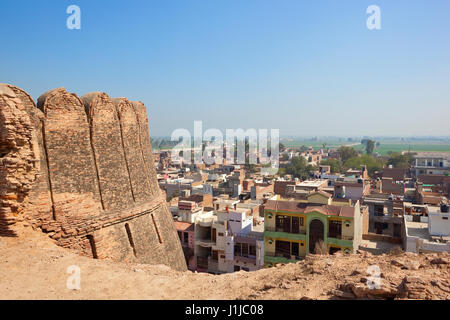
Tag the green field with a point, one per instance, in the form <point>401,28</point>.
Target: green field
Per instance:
<point>382,149</point>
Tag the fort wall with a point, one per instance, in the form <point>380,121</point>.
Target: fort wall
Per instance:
<point>82,171</point>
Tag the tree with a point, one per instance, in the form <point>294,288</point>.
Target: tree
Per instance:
<point>398,160</point>
<point>373,164</point>
<point>303,148</point>
<point>299,168</point>
<point>370,145</point>
<point>335,165</point>
<point>284,157</point>
<point>347,153</point>
<point>282,172</point>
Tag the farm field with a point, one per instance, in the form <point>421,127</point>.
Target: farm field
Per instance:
<point>382,149</point>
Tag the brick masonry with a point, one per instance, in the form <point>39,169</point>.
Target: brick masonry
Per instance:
<point>82,171</point>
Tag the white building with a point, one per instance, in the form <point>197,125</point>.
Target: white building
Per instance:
<point>432,163</point>
<point>430,234</point>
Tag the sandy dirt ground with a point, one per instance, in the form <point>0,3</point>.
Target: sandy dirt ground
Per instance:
<point>33,267</point>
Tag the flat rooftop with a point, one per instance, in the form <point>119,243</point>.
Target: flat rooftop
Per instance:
<point>312,183</point>
<point>432,155</point>
<point>418,229</point>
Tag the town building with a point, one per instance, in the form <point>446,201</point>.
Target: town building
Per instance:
<point>432,163</point>
<point>186,234</point>
<point>351,188</point>
<point>293,229</point>
<point>428,233</point>
<point>230,238</point>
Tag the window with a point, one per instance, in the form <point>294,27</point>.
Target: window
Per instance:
<point>237,250</point>
<point>245,249</point>
<point>444,218</point>
<point>335,229</point>
<point>252,250</point>
<point>295,251</point>
<point>186,237</point>
<point>283,224</point>
<point>220,234</point>
<point>283,248</point>
<point>295,225</point>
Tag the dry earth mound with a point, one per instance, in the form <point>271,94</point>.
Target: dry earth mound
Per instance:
<point>32,267</point>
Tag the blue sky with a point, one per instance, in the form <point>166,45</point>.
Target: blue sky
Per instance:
<point>304,67</point>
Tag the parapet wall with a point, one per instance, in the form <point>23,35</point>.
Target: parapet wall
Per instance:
<point>82,171</point>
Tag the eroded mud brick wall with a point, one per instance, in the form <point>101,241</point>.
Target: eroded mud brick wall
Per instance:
<point>67,142</point>
<point>142,118</point>
<point>82,171</point>
<point>115,186</point>
<point>17,158</point>
<point>132,144</point>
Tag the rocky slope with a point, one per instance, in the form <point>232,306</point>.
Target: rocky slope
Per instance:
<point>32,267</point>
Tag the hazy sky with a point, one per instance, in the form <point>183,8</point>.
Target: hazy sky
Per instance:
<point>305,67</point>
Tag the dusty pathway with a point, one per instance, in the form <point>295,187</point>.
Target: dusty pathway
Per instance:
<point>32,267</point>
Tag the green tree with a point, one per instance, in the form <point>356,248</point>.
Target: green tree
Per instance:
<point>303,148</point>
<point>282,172</point>
<point>335,165</point>
<point>398,160</point>
<point>299,168</point>
<point>373,164</point>
<point>370,145</point>
<point>347,153</point>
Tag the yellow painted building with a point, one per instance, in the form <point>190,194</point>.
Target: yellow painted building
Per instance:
<point>294,229</point>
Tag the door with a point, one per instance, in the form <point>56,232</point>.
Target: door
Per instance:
<point>295,225</point>
<point>295,249</point>
<point>397,230</point>
<point>316,234</point>
<point>283,249</point>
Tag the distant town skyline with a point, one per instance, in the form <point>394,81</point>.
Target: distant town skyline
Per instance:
<point>306,68</point>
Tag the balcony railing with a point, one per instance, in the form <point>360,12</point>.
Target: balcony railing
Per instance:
<point>254,236</point>
<point>205,242</point>
<point>275,229</point>
<point>205,222</point>
<point>340,237</point>
<point>283,255</point>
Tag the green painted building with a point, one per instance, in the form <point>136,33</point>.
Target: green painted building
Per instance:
<point>293,229</point>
